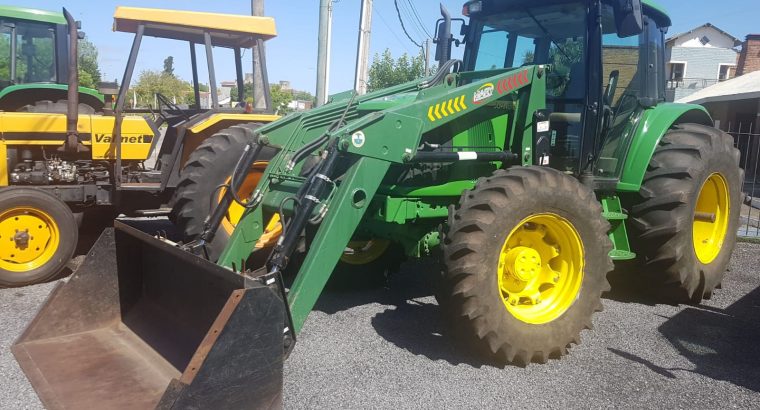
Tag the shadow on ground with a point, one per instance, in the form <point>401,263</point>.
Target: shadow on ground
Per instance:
<point>721,344</point>
<point>412,319</point>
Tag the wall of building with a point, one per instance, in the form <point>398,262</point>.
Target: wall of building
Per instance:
<point>702,66</point>
<point>694,39</point>
<point>749,60</point>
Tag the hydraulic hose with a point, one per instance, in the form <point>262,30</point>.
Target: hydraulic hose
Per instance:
<point>246,161</point>
<point>308,201</point>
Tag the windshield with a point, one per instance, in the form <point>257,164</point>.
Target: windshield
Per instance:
<point>34,53</point>
<point>552,34</point>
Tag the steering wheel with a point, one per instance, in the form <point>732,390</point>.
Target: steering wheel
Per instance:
<point>164,102</point>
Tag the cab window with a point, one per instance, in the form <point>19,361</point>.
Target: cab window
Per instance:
<point>35,53</point>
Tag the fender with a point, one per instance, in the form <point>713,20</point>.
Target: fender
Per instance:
<point>16,96</point>
<point>654,123</point>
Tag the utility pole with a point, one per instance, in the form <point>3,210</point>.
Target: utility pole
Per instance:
<point>362,52</point>
<point>427,56</point>
<point>259,101</point>
<point>323,50</point>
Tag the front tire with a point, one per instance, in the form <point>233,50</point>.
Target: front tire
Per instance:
<point>693,177</point>
<point>38,236</point>
<point>526,260</point>
<point>208,167</point>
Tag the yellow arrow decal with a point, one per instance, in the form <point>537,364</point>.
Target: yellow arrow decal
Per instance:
<point>437,111</point>
<point>449,107</point>
<point>456,105</point>
<point>430,113</point>
<point>461,102</point>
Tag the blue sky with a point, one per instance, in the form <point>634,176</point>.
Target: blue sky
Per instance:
<point>293,54</point>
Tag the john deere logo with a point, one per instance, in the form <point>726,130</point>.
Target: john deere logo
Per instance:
<point>358,139</point>
<point>482,93</point>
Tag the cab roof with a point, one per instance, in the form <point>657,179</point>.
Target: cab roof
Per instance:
<point>25,13</point>
<point>227,30</point>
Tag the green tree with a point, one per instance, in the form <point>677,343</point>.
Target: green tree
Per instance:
<point>169,65</point>
<point>247,92</point>
<point>385,72</point>
<point>304,96</point>
<point>151,82</point>
<point>280,98</point>
<point>89,71</point>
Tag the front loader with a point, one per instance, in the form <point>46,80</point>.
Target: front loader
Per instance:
<point>534,163</point>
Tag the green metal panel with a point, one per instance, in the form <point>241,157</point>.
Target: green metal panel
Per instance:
<point>333,235</point>
<point>24,13</point>
<point>653,125</point>
<point>401,210</point>
<point>656,11</point>
<point>38,86</point>
<point>614,214</point>
<point>244,238</point>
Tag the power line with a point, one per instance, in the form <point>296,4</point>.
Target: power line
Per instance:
<point>408,16</point>
<point>390,29</point>
<point>419,20</point>
<point>395,3</point>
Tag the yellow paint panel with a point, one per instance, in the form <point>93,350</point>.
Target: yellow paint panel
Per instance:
<point>3,165</point>
<point>239,118</point>
<point>136,138</point>
<point>227,30</point>
<point>50,129</point>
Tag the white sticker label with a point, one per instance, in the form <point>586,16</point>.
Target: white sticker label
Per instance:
<point>358,139</point>
<point>465,156</point>
<point>542,126</point>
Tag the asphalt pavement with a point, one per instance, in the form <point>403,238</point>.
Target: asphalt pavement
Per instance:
<point>388,348</point>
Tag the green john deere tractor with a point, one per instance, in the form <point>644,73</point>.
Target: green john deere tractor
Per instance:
<point>537,161</point>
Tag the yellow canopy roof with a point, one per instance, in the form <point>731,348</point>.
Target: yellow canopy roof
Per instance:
<point>227,30</point>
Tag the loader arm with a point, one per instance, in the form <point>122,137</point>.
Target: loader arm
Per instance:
<point>369,143</point>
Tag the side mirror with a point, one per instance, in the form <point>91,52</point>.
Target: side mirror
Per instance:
<point>628,18</point>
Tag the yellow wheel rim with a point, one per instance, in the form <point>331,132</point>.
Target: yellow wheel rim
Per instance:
<point>711,215</point>
<point>246,189</point>
<point>272,232</point>
<point>540,268</point>
<point>29,238</point>
<point>364,252</point>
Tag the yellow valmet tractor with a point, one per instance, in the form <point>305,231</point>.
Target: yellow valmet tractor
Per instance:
<point>529,168</point>
<point>64,150</point>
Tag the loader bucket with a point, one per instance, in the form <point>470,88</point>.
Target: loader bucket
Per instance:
<point>142,325</point>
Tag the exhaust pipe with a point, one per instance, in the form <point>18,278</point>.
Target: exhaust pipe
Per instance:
<point>72,109</point>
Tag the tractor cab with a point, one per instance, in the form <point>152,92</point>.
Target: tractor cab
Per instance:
<point>605,63</point>
<point>34,65</point>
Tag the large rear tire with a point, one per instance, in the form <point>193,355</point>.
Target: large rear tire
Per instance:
<point>526,260</point>
<point>693,177</point>
<point>208,167</point>
<point>38,236</point>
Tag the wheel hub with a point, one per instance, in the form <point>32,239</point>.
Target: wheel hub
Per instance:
<point>523,263</point>
<point>541,268</point>
<point>21,238</point>
<point>33,237</point>
<point>711,218</point>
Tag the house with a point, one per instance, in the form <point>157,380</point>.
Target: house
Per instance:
<point>734,105</point>
<point>698,59</point>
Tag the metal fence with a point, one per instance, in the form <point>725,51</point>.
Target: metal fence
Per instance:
<point>748,142</point>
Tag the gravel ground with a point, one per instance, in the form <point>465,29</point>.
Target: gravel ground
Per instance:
<point>387,348</point>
